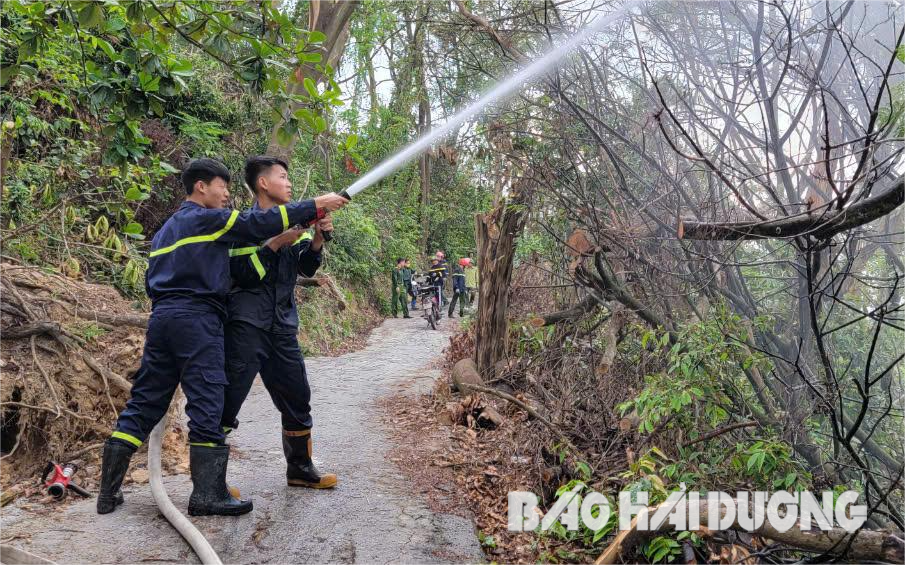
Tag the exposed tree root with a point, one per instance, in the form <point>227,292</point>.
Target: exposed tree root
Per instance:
<point>66,345</point>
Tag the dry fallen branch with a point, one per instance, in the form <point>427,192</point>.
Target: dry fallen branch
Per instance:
<point>106,374</point>
<point>53,392</point>
<point>815,224</point>
<point>324,281</point>
<point>81,452</point>
<point>587,304</point>
<point>531,412</point>
<point>603,281</point>
<point>134,320</point>
<point>36,328</point>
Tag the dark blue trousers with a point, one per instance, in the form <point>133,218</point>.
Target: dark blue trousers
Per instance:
<point>278,358</point>
<point>181,347</point>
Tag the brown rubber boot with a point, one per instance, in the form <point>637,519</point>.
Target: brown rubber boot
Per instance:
<point>300,469</point>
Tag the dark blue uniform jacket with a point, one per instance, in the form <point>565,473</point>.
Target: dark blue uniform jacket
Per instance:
<point>263,293</point>
<point>189,263</point>
<point>458,280</point>
<point>188,280</point>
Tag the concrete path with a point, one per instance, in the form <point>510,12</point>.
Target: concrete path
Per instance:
<point>369,518</point>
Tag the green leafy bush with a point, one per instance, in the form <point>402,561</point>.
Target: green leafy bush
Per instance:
<point>356,246</point>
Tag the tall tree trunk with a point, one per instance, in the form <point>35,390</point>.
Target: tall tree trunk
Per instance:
<point>372,90</point>
<point>424,119</point>
<point>424,168</point>
<point>331,17</point>
<point>496,235</point>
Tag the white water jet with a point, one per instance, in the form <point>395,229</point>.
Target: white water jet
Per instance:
<point>498,93</point>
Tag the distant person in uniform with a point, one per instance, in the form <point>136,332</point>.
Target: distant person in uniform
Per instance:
<point>398,298</point>
<point>435,275</point>
<point>471,279</point>
<point>458,290</point>
<point>440,256</point>
<point>407,280</point>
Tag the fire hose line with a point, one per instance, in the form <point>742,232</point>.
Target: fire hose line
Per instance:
<point>196,539</point>
<point>18,556</point>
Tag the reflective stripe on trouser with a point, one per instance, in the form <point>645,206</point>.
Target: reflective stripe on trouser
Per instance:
<point>278,358</point>
<point>180,348</point>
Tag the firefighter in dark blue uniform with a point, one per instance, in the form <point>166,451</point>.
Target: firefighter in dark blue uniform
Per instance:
<point>436,275</point>
<point>459,290</point>
<point>444,274</point>
<point>262,331</point>
<point>187,281</point>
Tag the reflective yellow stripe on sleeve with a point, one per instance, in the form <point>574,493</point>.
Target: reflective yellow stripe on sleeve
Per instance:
<point>284,216</point>
<point>199,238</point>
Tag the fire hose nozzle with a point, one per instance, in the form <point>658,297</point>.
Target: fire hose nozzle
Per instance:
<point>60,483</point>
<point>328,235</point>
<point>57,490</point>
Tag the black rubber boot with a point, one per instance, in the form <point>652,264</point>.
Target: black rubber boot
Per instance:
<point>300,469</point>
<point>113,469</point>
<point>210,495</point>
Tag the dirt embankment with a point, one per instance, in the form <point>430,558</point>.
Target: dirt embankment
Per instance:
<point>68,350</point>
<point>334,319</point>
